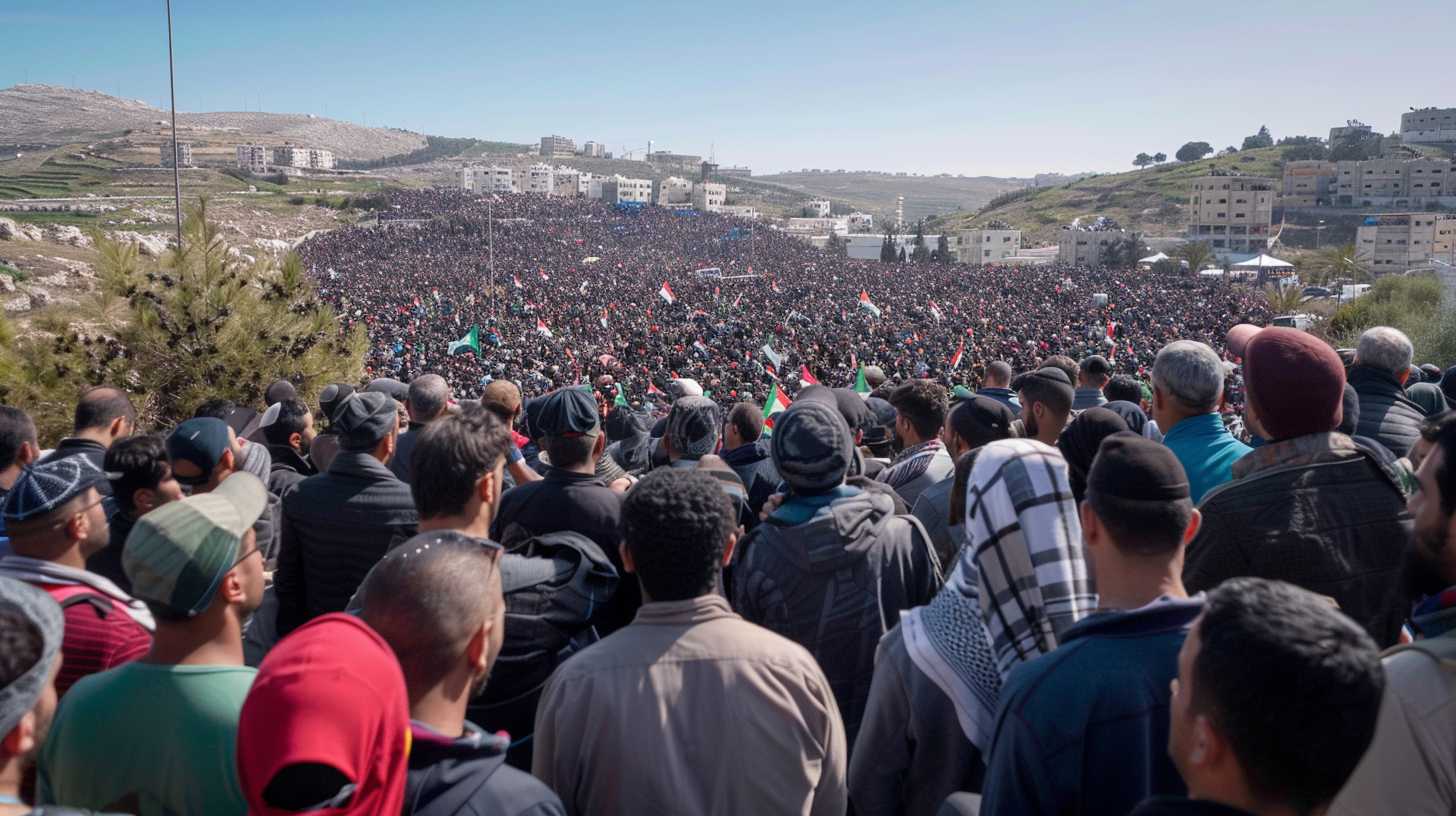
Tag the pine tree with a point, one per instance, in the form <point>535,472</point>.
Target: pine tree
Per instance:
<point>921,253</point>
<point>942,249</point>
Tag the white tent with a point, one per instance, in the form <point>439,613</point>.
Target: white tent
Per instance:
<point>1152,259</point>
<point>1263,262</point>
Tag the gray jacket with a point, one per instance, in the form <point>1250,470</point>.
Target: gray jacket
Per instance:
<point>1385,414</point>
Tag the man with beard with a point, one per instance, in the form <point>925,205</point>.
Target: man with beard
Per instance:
<point>287,427</point>
<point>1411,765</point>
<point>436,600</point>
<point>1046,402</point>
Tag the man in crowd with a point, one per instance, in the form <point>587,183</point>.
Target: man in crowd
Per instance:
<point>54,517</point>
<point>1276,699</point>
<point>436,600</point>
<point>287,428</point>
<point>141,481</point>
<point>878,437</point>
<point>832,567</point>
<point>692,431</point>
<point>1082,729</point>
<point>30,655</point>
<point>1092,374</point>
<point>745,450</point>
<point>922,461</point>
<point>337,524</point>
<point>997,385</point>
<point>18,449</point>
<point>1382,365</point>
<point>1187,390</point>
<point>968,426</point>
<point>621,726</point>
<point>1046,403</point>
<point>326,444</point>
<point>503,399</point>
<point>203,451</point>
<point>103,415</point>
<point>1411,764</point>
<point>429,399</point>
<point>160,732</point>
<point>1311,507</point>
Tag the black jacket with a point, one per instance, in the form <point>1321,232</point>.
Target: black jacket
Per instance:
<point>468,776</point>
<point>288,470</point>
<point>336,526</point>
<point>76,446</point>
<point>106,562</point>
<point>1385,414</point>
<point>402,465</point>
<point>754,465</point>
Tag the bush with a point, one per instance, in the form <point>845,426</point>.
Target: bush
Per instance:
<point>1411,304</point>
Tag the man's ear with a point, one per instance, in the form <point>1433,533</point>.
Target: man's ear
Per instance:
<point>627,564</point>
<point>232,587</point>
<point>295,440</point>
<point>144,499</point>
<point>117,428</point>
<point>477,652</point>
<point>21,739</point>
<point>1195,523</point>
<point>27,454</point>
<point>730,545</point>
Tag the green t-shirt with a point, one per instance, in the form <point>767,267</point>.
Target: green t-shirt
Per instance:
<point>159,739</point>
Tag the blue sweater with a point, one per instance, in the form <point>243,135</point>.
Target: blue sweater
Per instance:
<point>1206,450</point>
<point>1084,728</point>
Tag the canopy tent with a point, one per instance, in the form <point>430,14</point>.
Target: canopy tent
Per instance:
<point>1152,259</point>
<point>1263,262</point>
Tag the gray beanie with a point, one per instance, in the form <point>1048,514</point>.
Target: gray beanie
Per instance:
<point>693,427</point>
<point>18,698</point>
<point>811,446</point>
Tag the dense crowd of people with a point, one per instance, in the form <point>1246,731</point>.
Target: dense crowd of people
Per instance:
<point>482,583</point>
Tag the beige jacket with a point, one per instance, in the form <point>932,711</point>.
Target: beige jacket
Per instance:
<point>1410,767</point>
<point>691,709</point>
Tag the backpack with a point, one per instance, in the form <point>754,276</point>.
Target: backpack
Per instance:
<point>77,594</point>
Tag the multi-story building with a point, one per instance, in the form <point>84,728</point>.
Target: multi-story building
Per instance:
<point>1309,183</point>
<point>591,184</point>
<point>1352,127</point>
<point>539,177</point>
<point>468,177</point>
<point>986,246</point>
<point>1395,182</point>
<point>1398,242</point>
<point>253,158</point>
<point>709,196</point>
<point>679,162</point>
<point>493,179</point>
<point>818,226</point>
<point>308,158</point>
<point>735,170</point>
<point>1428,125</point>
<point>183,154</point>
<point>557,147</point>
<point>861,222</point>
<point>566,182</point>
<point>817,208</point>
<point>620,189</point>
<point>867,247</point>
<point>1085,247</point>
<point>740,211</point>
<point>593,150</point>
<point>1232,213</point>
<point>672,190</point>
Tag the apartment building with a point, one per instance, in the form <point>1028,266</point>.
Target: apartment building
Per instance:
<point>987,246</point>
<point>183,154</point>
<point>620,189</point>
<point>308,158</point>
<point>557,147</point>
<point>539,178</point>
<point>1394,182</point>
<point>1232,213</point>
<point>672,190</point>
<point>817,208</point>
<point>1084,247</point>
<point>1309,183</point>
<point>1389,243</point>
<point>1428,125</point>
<point>709,196</point>
<point>253,158</point>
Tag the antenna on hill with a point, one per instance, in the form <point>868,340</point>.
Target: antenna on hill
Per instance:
<point>176,164</point>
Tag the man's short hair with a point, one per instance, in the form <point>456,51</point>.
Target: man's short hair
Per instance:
<point>452,454</point>
<point>1191,373</point>
<point>1384,348</point>
<point>1291,683</point>
<point>102,405</point>
<point>676,524</point>
<point>999,373</point>
<point>502,398</point>
<point>1065,363</point>
<point>1123,387</point>
<point>427,603</point>
<point>922,404</point>
<point>219,408</point>
<point>1056,397</point>
<point>141,462</point>
<point>16,429</point>
<point>570,451</point>
<point>292,419</point>
<point>747,419</point>
<point>1093,368</point>
<point>429,396</point>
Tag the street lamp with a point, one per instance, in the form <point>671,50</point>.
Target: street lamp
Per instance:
<point>1317,231</point>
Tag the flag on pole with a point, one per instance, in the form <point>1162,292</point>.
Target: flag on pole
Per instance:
<point>772,356</point>
<point>542,329</point>
<point>776,403</point>
<point>470,342</point>
<point>773,375</point>
<point>955,361</point>
<point>935,312</point>
<point>516,279</point>
<point>864,303</point>
<point>603,319</point>
<point>666,294</point>
<point>735,300</point>
<point>653,390</point>
<point>1111,329</point>
<point>621,400</point>
<point>861,385</point>
<point>805,377</point>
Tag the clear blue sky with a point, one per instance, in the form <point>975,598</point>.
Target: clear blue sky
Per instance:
<point>976,88</point>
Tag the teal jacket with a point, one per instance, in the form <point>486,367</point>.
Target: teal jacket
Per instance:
<point>1206,450</point>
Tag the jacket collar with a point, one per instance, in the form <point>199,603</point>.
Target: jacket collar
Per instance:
<point>359,464</point>
<point>559,475</point>
<point>286,458</point>
<point>745,454</point>
<point>475,743</point>
<point>1373,380</point>
<point>1210,424</point>
<point>1163,615</point>
<point>1309,449</point>
<point>76,443</point>
<point>798,509</point>
<point>697,610</point>
<point>927,448</point>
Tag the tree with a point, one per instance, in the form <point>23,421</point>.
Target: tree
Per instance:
<point>942,249</point>
<point>1159,158</point>
<point>887,248</point>
<point>1228,151</point>
<point>199,324</point>
<point>1142,160</point>
<point>921,253</point>
<point>902,255</point>
<point>836,245</point>
<point>1196,253</point>
<point>1122,253</point>
<point>1305,152</point>
<point>1283,299</point>
<point>1193,151</point>
<point>1258,140</point>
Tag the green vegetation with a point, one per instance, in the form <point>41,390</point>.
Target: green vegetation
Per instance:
<point>1411,304</point>
<point>85,220</point>
<point>13,273</point>
<point>436,147</point>
<point>1193,151</point>
<point>198,324</point>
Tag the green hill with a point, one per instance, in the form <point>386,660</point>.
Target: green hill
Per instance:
<point>925,196</point>
<point>1150,200</point>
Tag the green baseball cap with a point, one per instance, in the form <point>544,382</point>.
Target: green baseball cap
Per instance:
<point>177,554</point>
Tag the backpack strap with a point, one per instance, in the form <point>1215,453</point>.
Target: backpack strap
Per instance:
<point>75,595</point>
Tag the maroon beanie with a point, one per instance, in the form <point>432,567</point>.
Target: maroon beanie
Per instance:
<point>1296,383</point>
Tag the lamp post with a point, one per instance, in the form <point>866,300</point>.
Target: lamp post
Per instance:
<point>176,165</point>
<point>1317,230</point>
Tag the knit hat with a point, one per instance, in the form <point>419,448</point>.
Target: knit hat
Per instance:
<point>365,418</point>
<point>41,611</point>
<point>331,396</point>
<point>177,554</point>
<point>1137,480</point>
<point>44,487</point>
<point>981,420</point>
<point>1080,441</point>
<point>693,427</point>
<point>1295,383</point>
<point>1045,377</point>
<point>811,446</point>
<point>565,412</point>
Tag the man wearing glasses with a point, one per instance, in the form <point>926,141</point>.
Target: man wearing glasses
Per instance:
<point>204,451</point>
<point>159,733</point>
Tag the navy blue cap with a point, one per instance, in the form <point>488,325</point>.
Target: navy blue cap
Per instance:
<point>566,412</point>
<point>201,441</point>
<point>879,429</point>
<point>44,487</point>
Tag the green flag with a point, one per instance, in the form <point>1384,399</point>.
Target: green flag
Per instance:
<point>470,342</point>
<point>860,385</point>
<point>621,400</point>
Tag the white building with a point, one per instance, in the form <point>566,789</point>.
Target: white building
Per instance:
<point>566,182</point>
<point>493,179</point>
<point>538,178</point>
<point>708,196</point>
<point>1399,242</point>
<point>817,208</point>
<point>987,246</point>
<point>183,155</point>
<point>1428,125</point>
<point>620,189</point>
<point>672,190</point>
<point>557,147</point>
<point>866,247</point>
<point>308,158</point>
<point>1232,213</point>
<point>253,158</point>
<point>740,211</point>
<point>861,222</point>
<point>818,226</point>
<point>1084,247</point>
<point>593,150</point>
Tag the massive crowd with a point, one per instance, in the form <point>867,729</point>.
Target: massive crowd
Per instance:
<point>1068,580</point>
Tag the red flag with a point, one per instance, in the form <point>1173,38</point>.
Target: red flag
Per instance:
<point>666,294</point>
<point>955,361</point>
<point>805,377</point>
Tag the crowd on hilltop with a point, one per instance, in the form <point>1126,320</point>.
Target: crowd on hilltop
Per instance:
<point>478,583</point>
<point>590,272</point>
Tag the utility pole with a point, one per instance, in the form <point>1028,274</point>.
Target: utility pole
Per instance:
<point>176,164</point>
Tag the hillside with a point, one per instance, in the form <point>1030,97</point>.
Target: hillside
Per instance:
<point>1150,200</point>
<point>925,196</point>
<point>50,116</point>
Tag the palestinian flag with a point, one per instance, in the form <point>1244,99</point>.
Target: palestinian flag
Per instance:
<point>864,303</point>
<point>936,313</point>
<point>775,403</point>
<point>542,329</point>
<point>470,342</point>
<point>666,294</point>
<point>621,400</point>
<point>653,390</point>
<point>861,385</point>
<point>955,361</point>
<point>805,377</point>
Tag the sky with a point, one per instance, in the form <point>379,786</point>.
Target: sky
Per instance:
<point>970,88</point>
